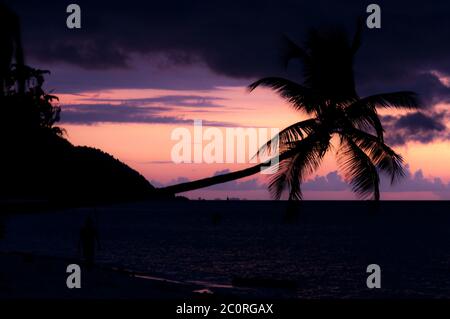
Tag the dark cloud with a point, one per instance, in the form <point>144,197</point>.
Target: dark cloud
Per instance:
<point>419,121</point>
<point>416,182</point>
<point>107,113</point>
<point>241,39</point>
<point>412,182</point>
<point>170,101</point>
<point>416,127</point>
<point>330,182</point>
<point>142,74</point>
<point>138,110</point>
<point>89,114</point>
<point>87,53</point>
<point>432,90</point>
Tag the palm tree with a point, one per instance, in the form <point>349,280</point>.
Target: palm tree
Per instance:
<point>336,113</point>
<point>12,51</point>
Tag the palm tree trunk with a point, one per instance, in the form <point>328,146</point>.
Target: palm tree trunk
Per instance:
<point>19,55</point>
<point>219,179</point>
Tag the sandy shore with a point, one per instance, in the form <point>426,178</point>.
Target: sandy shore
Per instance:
<point>29,276</point>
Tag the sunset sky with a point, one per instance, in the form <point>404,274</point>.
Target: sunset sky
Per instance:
<point>137,71</point>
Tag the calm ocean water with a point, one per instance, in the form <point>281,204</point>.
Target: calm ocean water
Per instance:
<point>325,249</point>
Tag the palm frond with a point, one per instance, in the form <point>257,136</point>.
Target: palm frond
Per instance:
<point>385,158</point>
<point>365,118</point>
<point>358,169</point>
<point>301,97</point>
<point>289,135</point>
<point>278,181</point>
<point>401,99</point>
<point>296,178</point>
<point>307,155</point>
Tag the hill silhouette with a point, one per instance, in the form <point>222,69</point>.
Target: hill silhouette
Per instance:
<point>45,166</point>
<point>38,163</point>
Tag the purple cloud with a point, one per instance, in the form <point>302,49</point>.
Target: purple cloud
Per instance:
<point>416,127</point>
<point>90,114</point>
<point>413,182</point>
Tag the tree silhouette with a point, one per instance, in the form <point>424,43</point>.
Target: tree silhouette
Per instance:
<point>37,162</point>
<point>28,106</point>
<point>12,51</point>
<point>23,100</point>
<point>328,96</point>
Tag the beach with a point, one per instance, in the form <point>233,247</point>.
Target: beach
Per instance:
<point>25,276</point>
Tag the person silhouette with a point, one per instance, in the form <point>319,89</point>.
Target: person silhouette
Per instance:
<point>89,241</point>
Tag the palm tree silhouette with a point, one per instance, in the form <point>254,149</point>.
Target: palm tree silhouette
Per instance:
<point>12,51</point>
<point>328,96</point>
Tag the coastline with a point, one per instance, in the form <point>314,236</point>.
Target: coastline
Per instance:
<point>26,275</point>
<point>177,250</point>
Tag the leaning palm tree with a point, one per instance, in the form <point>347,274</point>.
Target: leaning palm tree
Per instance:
<point>335,114</point>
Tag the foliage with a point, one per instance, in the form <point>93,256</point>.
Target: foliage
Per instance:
<point>328,96</point>
<point>30,108</point>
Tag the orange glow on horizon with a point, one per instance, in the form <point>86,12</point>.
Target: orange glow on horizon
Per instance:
<point>146,147</point>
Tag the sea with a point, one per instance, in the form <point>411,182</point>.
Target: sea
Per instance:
<point>311,250</point>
